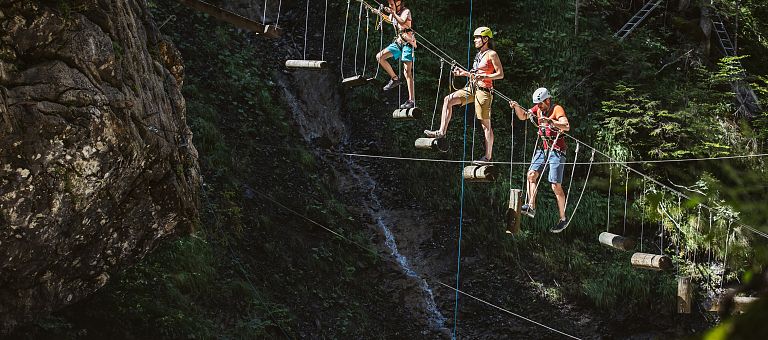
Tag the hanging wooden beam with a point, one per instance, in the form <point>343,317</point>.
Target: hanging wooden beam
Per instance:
<point>479,173</point>
<point>684,295</point>
<point>354,81</point>
<point>269,31</point>
<point>439,144</point>
<point>306,64</point>
<point>414,113</point>
<point>651,261</point>
<point>616,241</point>
<point>513,211</point>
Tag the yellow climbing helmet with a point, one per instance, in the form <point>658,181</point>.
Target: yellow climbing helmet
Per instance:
<point>484,32</point>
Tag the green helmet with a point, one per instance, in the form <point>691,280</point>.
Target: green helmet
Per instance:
<point>484,32</point>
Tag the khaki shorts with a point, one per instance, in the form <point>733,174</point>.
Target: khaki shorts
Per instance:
<point>481,98</point>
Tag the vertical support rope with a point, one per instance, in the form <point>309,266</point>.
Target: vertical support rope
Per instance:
<point>709,249</point>
<point>367,29</point>
<point>680,234</point>
<point>264,17</point>
<point>725,259</point>
<point>610,184</point>
<point>461,204</point>
<point>306,30</point>
<point>642,215</point>
<point>357,40</point>
<point>512,152</point>
<point>437,95</point>
<point>661,226</point>
<point>698,225</point>
<point>325,22</point>
<point>279,8</point>
<point>573,170</point>
<point>344,41</point>
<point>626,199</point>
<point>581,195</point>
<point>381,46</point>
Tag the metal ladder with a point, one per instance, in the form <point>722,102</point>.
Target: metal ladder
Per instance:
<point>744,94</point>
<point>637,19</point>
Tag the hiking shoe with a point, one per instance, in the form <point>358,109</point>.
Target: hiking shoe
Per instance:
<point>434,134</point>
<point>392,84</point>
<point>527,210</point>
<point>408,105</point>
<point>560,226</point>
<point>482,161</point>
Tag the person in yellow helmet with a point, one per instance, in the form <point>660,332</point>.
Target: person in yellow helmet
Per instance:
<point>485,69</point>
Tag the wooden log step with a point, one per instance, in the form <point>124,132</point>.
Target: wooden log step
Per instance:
<point>684,295</point>
<point>479,173</point>
<point>439,144</point>
<point>651,261</point>
<point>616,241</point>
<point>354,81</point>
<point>513,211</point>
<point>270,31</point>
<point>414,113</point>
<point>307,64</point>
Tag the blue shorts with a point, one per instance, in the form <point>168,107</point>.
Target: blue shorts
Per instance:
<point>556,164</point>
<point>405,55</point>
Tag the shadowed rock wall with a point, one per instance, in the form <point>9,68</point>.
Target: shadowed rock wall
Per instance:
<point>96,160</point>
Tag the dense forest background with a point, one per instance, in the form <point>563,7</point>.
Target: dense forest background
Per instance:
<point>257,267</point>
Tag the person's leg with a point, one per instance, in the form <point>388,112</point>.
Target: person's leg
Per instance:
<point>488,131</point>
<point>560,194</point>
<point>460,97</point>
<point>483,101</point>
<point>408,69</point>
<point>532,177</point>
<point>556,169</point>
<point>382,57</point>
<point>408,60</point>
<point>537,166</point>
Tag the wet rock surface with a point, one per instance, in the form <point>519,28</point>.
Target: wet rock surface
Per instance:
<point>96,159</point>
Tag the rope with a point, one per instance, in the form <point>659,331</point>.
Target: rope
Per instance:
<point>264,17</point>
<point>570,182</point>
<point>512,153</point>
<point>367,29</point>
<point>344,41</point>
<point>610,183</point>
<point>381,47</point>
<point>437,95</point>
<point>507,311</point>
<point>725,259</point>
<point>325,22</point>
<point>357,40</point>
<point>642,216</point>
<point>461,205</point>
<point>586,180</point>
<point>306,30</point>
<point>626,199</point>
<point>279,7</point>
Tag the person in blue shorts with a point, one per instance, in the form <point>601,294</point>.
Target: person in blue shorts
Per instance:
<point>552,121</point>
<point>400,49</point>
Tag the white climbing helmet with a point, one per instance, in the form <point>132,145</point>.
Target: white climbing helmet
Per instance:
<point>540,95</point>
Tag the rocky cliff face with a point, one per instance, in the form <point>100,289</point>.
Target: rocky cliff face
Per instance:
<point>96,159</point>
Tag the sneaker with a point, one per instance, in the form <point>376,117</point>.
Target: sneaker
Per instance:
<point>392,84</point>
<point>408,105</point>
<point>482,161</point>
<point>527,210</point>
<point>560,226</point>
<point>434,134</point>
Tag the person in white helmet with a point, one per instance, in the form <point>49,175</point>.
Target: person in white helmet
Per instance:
<point>486,68</point>
<point>552,121</point>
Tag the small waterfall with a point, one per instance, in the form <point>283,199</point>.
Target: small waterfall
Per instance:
<point>373,205</point>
